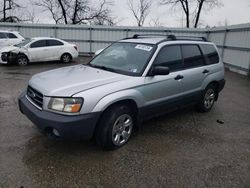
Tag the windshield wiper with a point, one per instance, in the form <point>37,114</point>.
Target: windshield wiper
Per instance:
<point>102,67</point>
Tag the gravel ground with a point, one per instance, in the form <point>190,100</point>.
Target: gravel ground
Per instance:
<point>181,149</point>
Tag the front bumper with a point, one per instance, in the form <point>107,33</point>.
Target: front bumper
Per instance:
<point>76,127</point>
<point>8,57</point>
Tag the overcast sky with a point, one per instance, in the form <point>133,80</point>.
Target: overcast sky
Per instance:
<point>233,11</point>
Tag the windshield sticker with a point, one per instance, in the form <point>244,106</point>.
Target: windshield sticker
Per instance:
<point>144,47</point>
<point>134,70</point>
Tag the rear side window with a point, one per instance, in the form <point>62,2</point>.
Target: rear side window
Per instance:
<point>210,53</point>
<point>2,36</point>
<point>170,56</point>
<point>54,43</point>
<point>192,56</point>
<point>38,44</point>
<point>11,35</point>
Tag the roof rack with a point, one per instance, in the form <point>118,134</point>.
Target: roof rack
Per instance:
<point>170,37</point>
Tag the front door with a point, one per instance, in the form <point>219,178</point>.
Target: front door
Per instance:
<point>39,51</point>
<point>164,92</point>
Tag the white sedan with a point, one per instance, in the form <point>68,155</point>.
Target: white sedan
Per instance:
<point>38,50</point>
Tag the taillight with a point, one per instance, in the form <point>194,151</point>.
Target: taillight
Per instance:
<point>75,48</point>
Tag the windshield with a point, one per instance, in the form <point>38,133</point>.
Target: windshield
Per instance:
<point>125,58</point>
<point>23,43</point>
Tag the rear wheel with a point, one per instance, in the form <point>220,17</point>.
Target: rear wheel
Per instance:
<point>115,127</point>
<point>208,98</point>
<point>22,60</point>
<point>66,58</point>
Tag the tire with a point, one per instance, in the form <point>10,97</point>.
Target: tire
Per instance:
<point>22,60</point>
<point>208,98</point>
<point>66,58</point>
<point>115,127</point>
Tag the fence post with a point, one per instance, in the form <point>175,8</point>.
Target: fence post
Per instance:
<point>90,39</point>
<point>127,30</point>
<point>208,34</point>
<point>224,44</point>
<point>55,32</point>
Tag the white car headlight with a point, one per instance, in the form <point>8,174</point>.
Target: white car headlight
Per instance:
<point>68,105</point>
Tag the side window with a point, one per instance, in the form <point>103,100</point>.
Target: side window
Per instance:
<point>11,36</point>
<point>54,43</point>
<point>2,36</point>
<point>38,44</point>
<point>192,56</point>
<point>170,56</point>
<point>210,53</point>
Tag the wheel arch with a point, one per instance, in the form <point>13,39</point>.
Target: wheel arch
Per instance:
<point>216,84</point>
<point>66,52</point>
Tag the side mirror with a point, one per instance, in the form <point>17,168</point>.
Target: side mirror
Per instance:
<point>159,70</point>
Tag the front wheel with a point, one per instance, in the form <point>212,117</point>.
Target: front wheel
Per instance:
<point>208,98</point>
<point>115,127</point>
<point>22,60</point>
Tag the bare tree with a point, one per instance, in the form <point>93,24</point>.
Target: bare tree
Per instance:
<point>187,5</point>
<point>209,4</point>
<point>140,10</point>
<point>155,22</point>
<point>9,5</point>
<point>52,7</point>
<point>78,11</point>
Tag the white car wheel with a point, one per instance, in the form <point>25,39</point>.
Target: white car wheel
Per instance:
<point>22,60</point>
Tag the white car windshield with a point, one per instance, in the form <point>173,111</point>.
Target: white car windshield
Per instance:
<point>23,43</point>
<point>125,58</point>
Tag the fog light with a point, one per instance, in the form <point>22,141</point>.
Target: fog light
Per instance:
<point>55,132</point>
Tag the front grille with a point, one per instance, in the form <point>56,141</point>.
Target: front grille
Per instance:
<point>35,96</point>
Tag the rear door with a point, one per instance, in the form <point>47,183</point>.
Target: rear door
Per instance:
<point>193,73</point>
<point>163,92</point>
<point>13,39</point>
<point>56,49</point>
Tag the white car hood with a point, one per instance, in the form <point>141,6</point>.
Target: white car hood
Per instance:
<point>8,49</point>
<point>71,80</point>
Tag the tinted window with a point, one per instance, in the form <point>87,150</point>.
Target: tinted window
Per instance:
<point>54,43</point>
<point>170,56</point>
<point>38,44</point>
<point>11,35</point>
<point>2,35</point>
<point>192,56</point>
<point>211,53</point>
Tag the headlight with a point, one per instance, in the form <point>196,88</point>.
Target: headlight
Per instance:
<point>69,105</point>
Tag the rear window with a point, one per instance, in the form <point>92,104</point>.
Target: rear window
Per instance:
<point>210,53</point>
<point>2,36</point>
<point>54,43</point>
<point>11,35</point>
<point>192,56</point>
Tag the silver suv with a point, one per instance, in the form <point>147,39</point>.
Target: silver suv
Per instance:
<point>131,80</point>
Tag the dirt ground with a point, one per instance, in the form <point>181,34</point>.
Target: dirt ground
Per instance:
<point>181,149</point>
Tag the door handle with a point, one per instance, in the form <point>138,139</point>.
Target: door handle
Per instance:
<point>179,77</point>
<point>205,71</point>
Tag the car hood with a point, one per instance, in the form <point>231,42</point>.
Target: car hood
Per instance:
<point>71,80</point>
<point>8,49</point>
